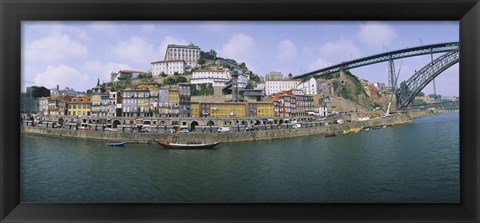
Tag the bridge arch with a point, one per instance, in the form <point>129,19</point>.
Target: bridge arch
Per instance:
<point>411,87</point>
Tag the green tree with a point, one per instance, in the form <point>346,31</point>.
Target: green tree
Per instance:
<point>213,54</point>
<point>163,74</point>
<point>421,94</point>
<point>180,79</point>
<point>169,81</point>
<point>201,61</point>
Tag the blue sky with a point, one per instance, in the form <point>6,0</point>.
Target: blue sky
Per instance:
<point>76,54</point>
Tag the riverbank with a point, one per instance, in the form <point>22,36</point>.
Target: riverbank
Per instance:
<point>398,119</point>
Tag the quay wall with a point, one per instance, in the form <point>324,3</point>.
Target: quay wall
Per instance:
<point>400,118</point>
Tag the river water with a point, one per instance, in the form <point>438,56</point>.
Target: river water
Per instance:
<point>414,163</point>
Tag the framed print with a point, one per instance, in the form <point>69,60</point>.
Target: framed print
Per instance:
<point>239,111</point>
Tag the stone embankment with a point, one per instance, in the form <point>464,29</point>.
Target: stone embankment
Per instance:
<point>399,119</point>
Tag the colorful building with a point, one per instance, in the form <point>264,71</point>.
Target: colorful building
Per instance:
<point>227,109</point>
<point>173,102</point>
<point>194,109</point>
<point>260,109</point>
<point>184,97</point>
<point>80,106</point>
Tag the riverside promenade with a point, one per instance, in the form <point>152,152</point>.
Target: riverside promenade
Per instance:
<point>135,137</point>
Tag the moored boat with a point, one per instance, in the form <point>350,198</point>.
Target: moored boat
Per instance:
<point>169,145</point>
<point>330,134</point>
<point>116,143</point>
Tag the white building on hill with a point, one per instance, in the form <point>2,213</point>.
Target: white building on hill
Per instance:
<point>274,86</point>
<point>218,78</point>
<point>189,53</point>
<point>168,67</point>
<point>309,87</point>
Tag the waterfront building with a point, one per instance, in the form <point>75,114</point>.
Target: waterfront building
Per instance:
<point>130,74</point>
<point>204,110</point>
<point>274,75</point>
<point>260,109</point>
<point>218,78</point>
<point>80,105</point>
<point>293,103</point>
<point>152,87</point>
<point>227,109</point>
<point>309,87</point>
<point>163,108</point>
<point>194,109</point>
<point>173,102</point>
<point>29,100</point>
<point>129,103</point>
<point>114,104</point>
<point>57,105</point>
<point>184,99</point>
<point>188,53</point>
<point>143,102</point>
<point>168,67</point>
<point>274,86</point>
<point>43,105</point>
<point>99,101</point>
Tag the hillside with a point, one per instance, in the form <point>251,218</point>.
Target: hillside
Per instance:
<point>347,86</point>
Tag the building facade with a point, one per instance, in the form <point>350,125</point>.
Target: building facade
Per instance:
<point>188,53</point>
<point>309,87</point>
<point>218,78</point>
<point>275,86</point>
<point>184,97</point>
<point>129,74</point>
<point>168,67</point>
<point>80,106</point>
<point>273,75</point>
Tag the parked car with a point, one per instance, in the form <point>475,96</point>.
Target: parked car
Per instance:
<point>86,128</point>
<point>110,129</point>
<point>224,129</point>
<point>184,131</point>
<point>144,130</point>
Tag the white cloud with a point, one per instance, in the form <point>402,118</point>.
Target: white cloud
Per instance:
<point>318,64</point>
<point>102,70</point>
<point>54,47</point>
<point>136,50</point>
<point>215,26</point>
<point>240,48</point>
<point>63,75</point>
<point>286,50</point>
<point>50,28</point>
<point>148,27</point>
<point>169,40</point>
<point>341,49</point>
<point>376,34</point>
<point>105,26</point>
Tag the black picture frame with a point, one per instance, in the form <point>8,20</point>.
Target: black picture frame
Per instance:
<point>12,12</point>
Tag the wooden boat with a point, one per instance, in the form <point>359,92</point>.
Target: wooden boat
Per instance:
<point>116,143</point>
<point>331,134</point>
<point>169,145</point>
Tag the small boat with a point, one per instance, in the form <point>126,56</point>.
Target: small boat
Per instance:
<point>330,134</point>
<point>116,143</point>
<point>169,145</point>
<point>367,129</point>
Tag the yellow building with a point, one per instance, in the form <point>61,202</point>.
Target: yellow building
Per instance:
<point>265,109</point>
<point>80,106</point>
<point>227,109</point>
<point>195,109</point>
<point>173,101</point>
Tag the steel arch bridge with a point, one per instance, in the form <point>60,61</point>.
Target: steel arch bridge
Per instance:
<point>383,57</point>
<point>411,87</point>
